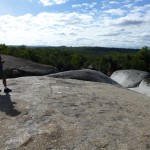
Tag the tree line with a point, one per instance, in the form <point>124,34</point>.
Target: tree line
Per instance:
<point>102,59</point>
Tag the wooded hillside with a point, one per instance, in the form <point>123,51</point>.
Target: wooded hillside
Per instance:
<point>64,58</point>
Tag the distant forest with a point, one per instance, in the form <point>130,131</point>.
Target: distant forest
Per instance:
<point>102,59</point>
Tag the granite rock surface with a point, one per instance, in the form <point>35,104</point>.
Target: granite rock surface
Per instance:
<point>129,78</point>
<point>84,74</point>
<point>44,113</point>
<point>17,67</point>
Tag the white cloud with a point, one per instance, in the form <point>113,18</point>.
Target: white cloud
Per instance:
<point>77,6</point>
<point>113,2</point>
<point>118,12</point>
<point>105,5</point>
<point>52,2</point>
<point>45,27</point>
<point>84,5</point>
<point>147,6</point>
<point>77,29</point>
<point>137,9</point>
<point>128,5</point>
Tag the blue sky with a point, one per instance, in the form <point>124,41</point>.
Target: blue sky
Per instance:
<point>107,23</point>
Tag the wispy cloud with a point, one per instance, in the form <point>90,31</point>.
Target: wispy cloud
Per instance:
<point>128,5</point>
<point>113,2</point>
<point>118,12</point>
<point>138,0</point>
<point>105,4</point>
<point>84,5</point>
<point>52,2</point>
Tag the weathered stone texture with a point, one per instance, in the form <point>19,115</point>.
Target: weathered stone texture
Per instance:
<point>44,113</point>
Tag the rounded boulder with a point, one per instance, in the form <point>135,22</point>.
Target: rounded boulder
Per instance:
<point>129,78</point>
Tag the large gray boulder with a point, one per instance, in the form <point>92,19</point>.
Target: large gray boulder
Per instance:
<point>44,113</point>
<point>17,67</point>
<point>129,78</point>
<point>84,74</point>
<point>145,83</point>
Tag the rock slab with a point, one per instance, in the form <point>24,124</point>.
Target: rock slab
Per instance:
<point>17,67</point>
<point>84,74</point>
<point>44,113</point>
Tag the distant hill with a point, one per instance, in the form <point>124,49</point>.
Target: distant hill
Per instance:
<point>84,48</point>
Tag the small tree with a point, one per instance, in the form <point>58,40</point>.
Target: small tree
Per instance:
<point>3,48</point>
<point>144,55</point>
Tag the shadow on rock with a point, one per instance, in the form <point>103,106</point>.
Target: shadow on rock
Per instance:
<point>7,106</point>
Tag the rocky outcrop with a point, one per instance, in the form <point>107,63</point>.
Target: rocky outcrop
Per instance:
<point>143,88</point>
<point>84,74</point>
<point>129,78</point>
<point>63,114</point>
<point>17,67</point>
<point>145,83</point>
